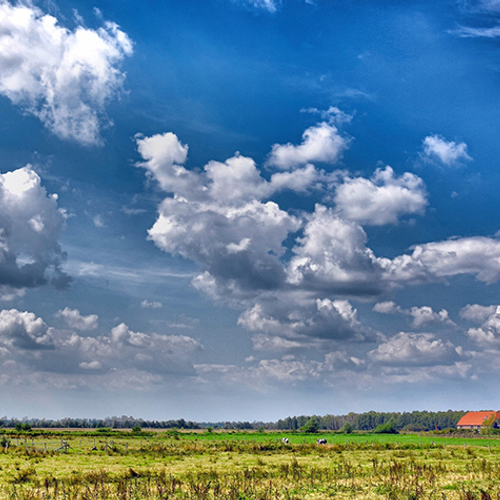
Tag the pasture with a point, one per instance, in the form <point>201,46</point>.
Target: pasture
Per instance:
<point>239,466</point>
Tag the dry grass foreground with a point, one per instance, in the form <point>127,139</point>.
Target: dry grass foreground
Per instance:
<point>123,466</point>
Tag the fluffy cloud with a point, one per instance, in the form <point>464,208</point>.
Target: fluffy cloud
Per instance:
<point>62,77</point>
<point>332,255</point>
<point>421,315</point>
<point>477,313</point>
<point>320,143</point>
<point>418,349</point>
<point>164,154</point>
<point>30,224</point>
<point>294,322</point>
<point>74,319</point>
<point>27,341</point>
<point>488,334</point>
<point>382,199</point>
<point>447,152</point>
<point>238,246</point>
<point>425,314</point>
<point>152,353</point>
<point>23,330</point>
<point>388,307</point>
<point>478,256</point>
<point>217,217</point>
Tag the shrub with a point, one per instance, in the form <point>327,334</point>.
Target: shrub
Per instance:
<point>387,428</point>
<point>312,425</point>
<point>24,427</point>
<point>347,428</point>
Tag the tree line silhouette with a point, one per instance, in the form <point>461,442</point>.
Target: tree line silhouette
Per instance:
<point>415,420</point>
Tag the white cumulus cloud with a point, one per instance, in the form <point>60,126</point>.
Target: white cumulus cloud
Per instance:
<point>332,254</point>
<point>476,312</point>
<point>388,307</point>
<point>74,319</point>
<point>295,321</point>
<point>64,78</point>
<point>382,199</point>
<point>418,349</point>
<point>488,334</point>
<point>320,143</point>
<point>421,315</point>
<point>28,343</point>
<point>447,152</point>
<point>479,256</point>
<point>24,330</point>
<point>30,224</point>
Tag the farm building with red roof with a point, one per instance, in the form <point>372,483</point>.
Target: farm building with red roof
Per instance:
<point>476,419</point>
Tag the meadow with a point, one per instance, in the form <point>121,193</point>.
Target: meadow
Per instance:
<point>235,465</point>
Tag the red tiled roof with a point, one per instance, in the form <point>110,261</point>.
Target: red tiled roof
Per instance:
<point>477,417</point>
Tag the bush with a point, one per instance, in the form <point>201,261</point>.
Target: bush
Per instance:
<point>25,427</point>
<point>387,428</point>
<point>311,426</point>
<point>347,428</point>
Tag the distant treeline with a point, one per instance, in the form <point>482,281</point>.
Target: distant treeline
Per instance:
<point>416,421</point>
<point>123,422</point>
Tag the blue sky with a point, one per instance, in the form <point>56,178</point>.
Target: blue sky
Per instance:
<point>248,209</point>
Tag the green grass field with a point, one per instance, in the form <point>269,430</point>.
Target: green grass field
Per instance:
<point>171,465</point>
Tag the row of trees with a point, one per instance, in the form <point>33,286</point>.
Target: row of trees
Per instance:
<point>123,422</point>
<point>416,421</point>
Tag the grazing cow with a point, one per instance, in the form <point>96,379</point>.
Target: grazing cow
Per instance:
<point>321,441</point>
<point>285,441</point>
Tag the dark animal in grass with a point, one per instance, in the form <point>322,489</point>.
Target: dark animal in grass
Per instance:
<point>321,441</point>
<point>285,441</point>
